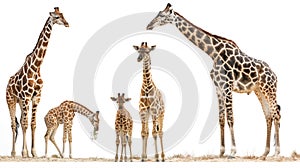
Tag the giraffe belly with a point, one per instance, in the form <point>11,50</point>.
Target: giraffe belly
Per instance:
<point>243,88</point>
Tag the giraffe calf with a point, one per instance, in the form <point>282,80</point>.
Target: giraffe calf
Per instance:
<point>64,114</point>
<point>123,127</point>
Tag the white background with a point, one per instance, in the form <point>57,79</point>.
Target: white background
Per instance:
<point>267,30</point>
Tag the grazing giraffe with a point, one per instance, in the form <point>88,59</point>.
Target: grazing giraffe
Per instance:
<point>123,127</point>
<point>26,85</point>
<point>64,114</point>
<point>151,103</point>
<point>232,70</point>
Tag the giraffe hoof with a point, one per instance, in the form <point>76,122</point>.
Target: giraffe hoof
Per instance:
<point>25,154</point>
<point>33,153</point>
<point>13,154</point>
<point>231,157</point>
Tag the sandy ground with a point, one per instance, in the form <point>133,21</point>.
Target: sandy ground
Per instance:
<point>176,158</point>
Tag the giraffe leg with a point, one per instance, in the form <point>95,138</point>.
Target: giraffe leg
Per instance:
<point>154,134</point>
<point>117,145</point>
<point>122,147</point>
<point>24,123</point>
<point>47,136</point>
<point>145,134</point>
<point>277,125</point>
<point>230,121</point>
<point>52,139</point>
<point>221,122</point>
<point>70,140</point>
<point>35,102</point>
<point>64,138</point>
<point>160,133</point>
<point>11,102</point>
<point>129,144</point>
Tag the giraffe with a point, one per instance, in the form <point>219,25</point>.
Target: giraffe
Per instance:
<point>123,126</point>
<point>26,85</point>
<point>232,70</point>
<point>151,103</point>
<point>64,114</point>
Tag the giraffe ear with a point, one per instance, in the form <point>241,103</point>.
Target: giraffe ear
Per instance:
<point>153,47</point>
<point>113,98</point>
<point>127,99</point>
<point>136,47</point>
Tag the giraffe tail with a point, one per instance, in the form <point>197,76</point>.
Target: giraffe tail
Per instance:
<point>17,126</point>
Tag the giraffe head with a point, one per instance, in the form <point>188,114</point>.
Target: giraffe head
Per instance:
<point>144,51</point>
<point>163,17</point>
<point>58,18</point>
<point>120,100</point>
<point>94,118</point>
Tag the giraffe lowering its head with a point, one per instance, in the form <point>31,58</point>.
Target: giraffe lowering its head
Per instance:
<point>64,114</point>
<point>232,70</point>
<point>26,85</point>
<point>151,103</point>
<point>123,127</point>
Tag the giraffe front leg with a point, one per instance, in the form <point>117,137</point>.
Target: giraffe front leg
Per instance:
<point>145,134</point>
<point>52,139</point>
<point>277,125</point>
<point>160,133</point>
<point>70,140</point>
<point>129,144</point>
<point>64,139</point>
<point>24,124</point>
<point>221,121</point>
<point>154,134</point>
<point>47,136</point>
<point>230,121</point>
<point>268,139</point>
<point>14,121</point>
<point>35,102</point>
<point>122,147</point>
<point>117,145</point>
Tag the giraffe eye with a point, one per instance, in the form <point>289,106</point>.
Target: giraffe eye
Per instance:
<point>56,17</point>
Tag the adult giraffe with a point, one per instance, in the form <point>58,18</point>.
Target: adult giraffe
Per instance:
<point>232,71</point>
<point>26,85</point>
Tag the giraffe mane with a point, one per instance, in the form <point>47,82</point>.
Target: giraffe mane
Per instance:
<point>216,36</point>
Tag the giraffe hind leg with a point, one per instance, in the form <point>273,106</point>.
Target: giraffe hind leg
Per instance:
<point>11,102</point>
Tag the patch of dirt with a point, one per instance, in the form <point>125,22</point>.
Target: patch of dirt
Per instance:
<point>176,158</point>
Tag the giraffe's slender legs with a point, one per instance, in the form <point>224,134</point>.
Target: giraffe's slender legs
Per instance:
<point>64,138</point>
<point>35,102</point>
<point>52,139</point>
<point>154,134</point>
<point>47,135</point>
<point>129,139</point>
<point>117,145</point>
<point>160,134</point>
<point>11,102</point>
<point>70,138</point>
<point>277,125</point>
<point>221,121</point>
<point>24,123</point>
<point>122,146</point>
<point>230,121</point>
<point>145,134</point>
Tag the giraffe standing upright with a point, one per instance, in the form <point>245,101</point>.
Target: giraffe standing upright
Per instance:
<point>232,70</point>
<point>151,103</point>
<point>26,84</point>
<point>123,126</point>
<point>64,114</point>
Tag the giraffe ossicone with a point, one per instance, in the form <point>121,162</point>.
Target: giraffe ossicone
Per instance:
<point>26,85</point>
<point>151,103</point>
<point>123,127</point>
<point>64,114</point>
<point>232,70</point>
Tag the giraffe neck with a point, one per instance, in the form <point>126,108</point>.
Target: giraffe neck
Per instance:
<point>209,43</point>
<point>147,76</point>
<point>36,57</point>
<point>81,110</point>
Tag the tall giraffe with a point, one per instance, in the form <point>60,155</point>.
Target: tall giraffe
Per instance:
<point>26,85</point>
<point>64,114</point>
<point>151,103</point>
<point>123,126</point>
<point>232,70</point>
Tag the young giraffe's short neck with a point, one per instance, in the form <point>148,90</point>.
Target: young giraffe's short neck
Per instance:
<point>81,109</point>
<point>147,76</point>
<point>35,59</point>
<point>209,43</point>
